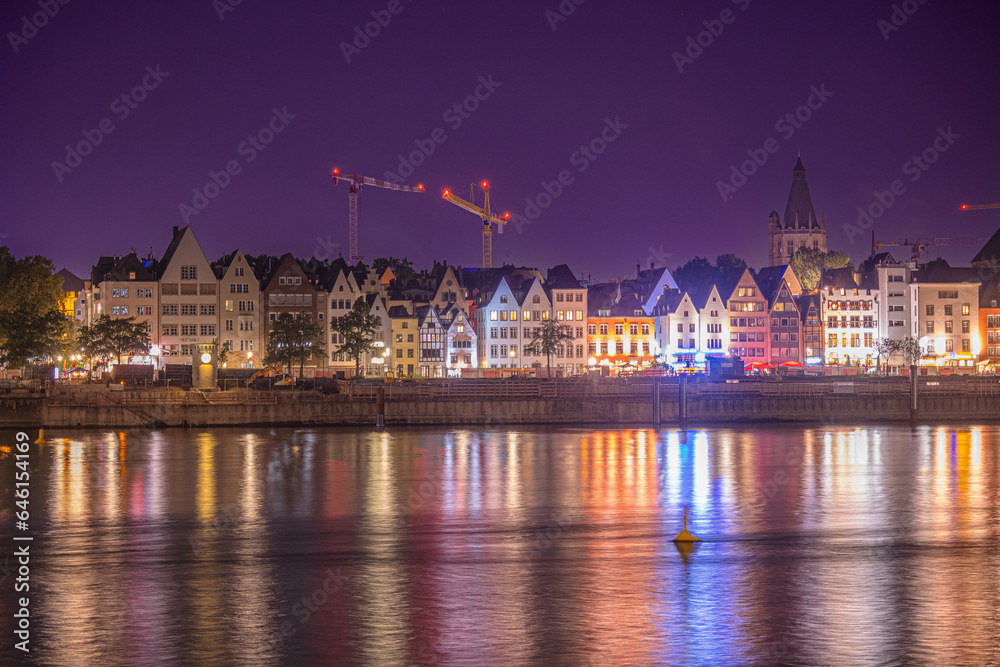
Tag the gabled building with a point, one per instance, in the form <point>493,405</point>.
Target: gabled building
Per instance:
<point>239,311</point>
<point>748,318</point>
<point>894,314</point>
<point>405,330</point>
<point>713,320</point>
<point>73,305</point>
<point>460,341</point>
<point>785,327</point>
<point>377,361</point>
<point>189,299</point>
<point>431,342</point>
<point>501,308</point>
<point>676,328</point>
<point>449,291</point>
<point>288,289</point>
<point>568,298</point>
<point>810,312</point>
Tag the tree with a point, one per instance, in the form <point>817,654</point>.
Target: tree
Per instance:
<point>546,339</point>
<point>909,347</point>
<point>294,339</point>
<point>30,320</point>
<point>700,274</point>
<point>115,336</point>
<point>357,329</point>
<point>401,268</point>
<point>222,354</point>
<point>883,348</point>
<point>808,264</point>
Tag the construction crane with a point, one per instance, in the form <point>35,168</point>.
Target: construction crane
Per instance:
<point>978,207</point>
<point>352,201</point>
<point>920,245</point>
<point>484,214</point>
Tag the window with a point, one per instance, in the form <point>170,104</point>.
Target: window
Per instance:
<point>949,345</point>
<point>680,328</point>
<point>503,298</point>
<point>534,299</point>
<point>493,350</point>
<point>965,326</point>
<point>189,309</point>
<point>948,327</point>
<point>189,330</point>
<point>169,330</point>
<point>930,326</point>
<point>947,310</point>
<point>494,316</point>
<point>208,309</point>
<point>229,325</point>
<point>633,329</point>
<point>189,273</point>
<point>409,338</point>
<point>966,345</point>
<point>207,329</point>
<point>947,295</point>
<point>930,311</point>
<point>559,297</point>
<point>965,309</point>
<point>144,310</point>
<point>619,329</point>
<point>592,328</point>
<point>170,309</point>
<point>604,329</point>
<point>645,330</point>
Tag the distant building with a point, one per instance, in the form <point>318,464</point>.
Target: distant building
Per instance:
<point>799,227</point>
<point>124,287</point>
<point>849,305</point>
<point>73,305</point>
<point>189,297</point>
<point>239,315</point>
<point>946,302</point>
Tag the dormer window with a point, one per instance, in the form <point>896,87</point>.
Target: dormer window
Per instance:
<point>503,298</point>
<point>536,299</point>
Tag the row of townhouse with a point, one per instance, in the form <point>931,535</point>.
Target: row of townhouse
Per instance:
<point>447,320</point>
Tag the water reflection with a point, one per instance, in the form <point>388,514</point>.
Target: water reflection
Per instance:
<point>275,547</point>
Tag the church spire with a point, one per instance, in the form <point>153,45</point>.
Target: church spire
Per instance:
<point>799,207</point>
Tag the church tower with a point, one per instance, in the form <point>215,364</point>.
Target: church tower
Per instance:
<point>799,228</point>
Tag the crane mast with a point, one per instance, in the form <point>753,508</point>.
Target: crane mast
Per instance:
<point>485,214</point>
<point>356,182</point>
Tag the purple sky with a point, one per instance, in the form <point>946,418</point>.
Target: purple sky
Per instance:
<point>652,193</point>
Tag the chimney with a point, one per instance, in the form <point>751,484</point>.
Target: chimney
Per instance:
<point>650,268</point>
<point>638,270</point>
<point>175,230</point>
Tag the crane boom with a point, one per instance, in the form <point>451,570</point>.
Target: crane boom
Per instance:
<point>919,245</point>
<point>356,182</point>
<point>978,207</point>
<point>484,213</point>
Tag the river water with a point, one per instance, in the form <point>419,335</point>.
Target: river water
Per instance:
<point>822,545</point>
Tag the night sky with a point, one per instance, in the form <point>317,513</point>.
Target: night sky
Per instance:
<point>554,84</point>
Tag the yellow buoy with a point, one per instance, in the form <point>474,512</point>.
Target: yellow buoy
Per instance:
<point>41,437</point>
<point>685,536</point>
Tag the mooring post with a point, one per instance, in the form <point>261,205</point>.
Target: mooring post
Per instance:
<point>682,411</point>
<point>913,393</point>
<point>380,407</point>
<point>656,401</point>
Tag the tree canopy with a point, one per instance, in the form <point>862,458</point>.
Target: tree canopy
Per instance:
<point>401,268</point>
<point>808,264</point>
<point>115,336</point>
<point>294,339</point>
<point>357,329</point>
<point>31,323</point>
<point>546,339</point>
<point>699,273</point>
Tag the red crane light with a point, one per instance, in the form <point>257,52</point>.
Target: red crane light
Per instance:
<point>420,186</point>
<point>447,193</point>
<point>965,207</point>
<point>506,216</point>
<point>336,171</point>
<point>485,185</point>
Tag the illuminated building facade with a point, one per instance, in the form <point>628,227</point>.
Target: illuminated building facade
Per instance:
<point>849,307</point>
<point>945,301</point>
